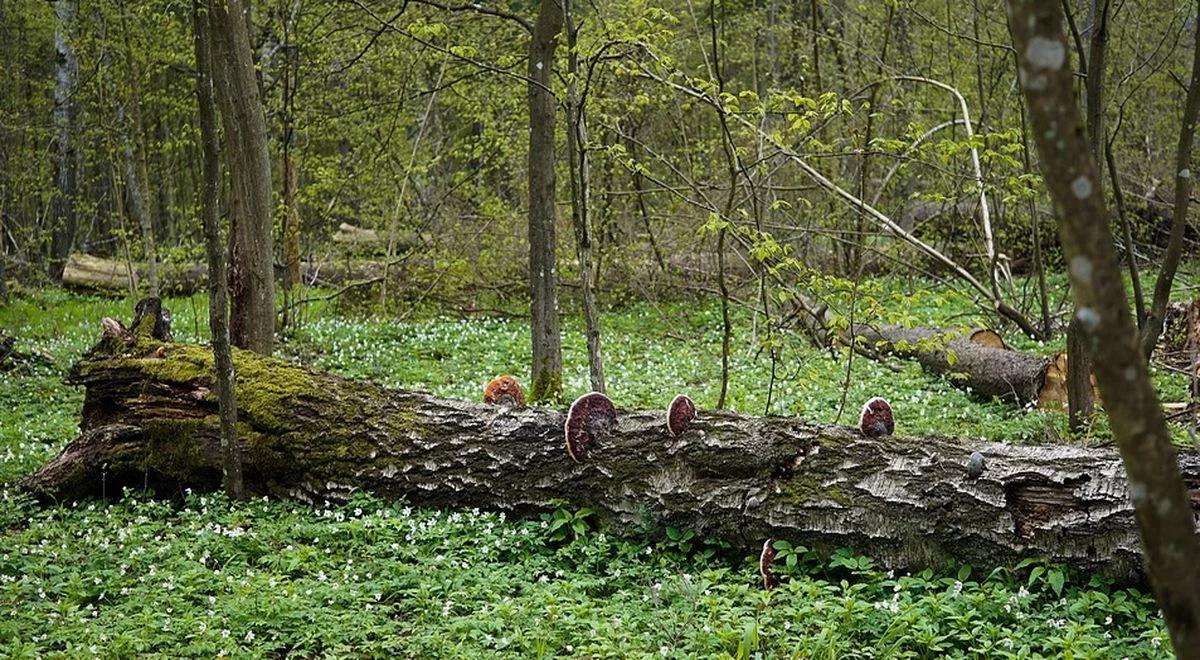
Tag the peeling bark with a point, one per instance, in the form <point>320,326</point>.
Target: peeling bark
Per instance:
<point>150,417</point>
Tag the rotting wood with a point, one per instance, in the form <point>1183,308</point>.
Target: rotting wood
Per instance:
<point>150,417</point>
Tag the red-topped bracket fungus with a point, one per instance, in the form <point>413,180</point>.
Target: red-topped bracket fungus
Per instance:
<point>876,419</point>
<point>504,391</point>
<point>590,419</point>
<point>680,414</point>
<point>765,563</point>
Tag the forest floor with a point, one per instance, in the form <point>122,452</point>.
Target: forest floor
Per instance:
<point>202,576</point>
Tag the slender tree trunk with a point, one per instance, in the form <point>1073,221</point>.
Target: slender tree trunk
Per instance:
<point>231,460</point>
<point>136,171</point>
<point>1135,278</point>
<point>581,183</point>
<point>1160,499</point>
<point>251,272</point>
<point>1080,406</point>
<point>63,221</point>
<point>291,171</point>
<point>1157,314</point>
<point>639,189</point>
<point>546,371</point>
<point>137,203</point>
<point>3,241</point>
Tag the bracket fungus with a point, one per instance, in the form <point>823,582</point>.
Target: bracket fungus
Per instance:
<point>766,561</point>
<point>976,465</point>
<point>591,418</point>
<point>876,420</point>
<point>504,391</point>
<point>680,414</point>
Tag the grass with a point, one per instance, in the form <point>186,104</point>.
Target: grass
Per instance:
<point>204,577</point>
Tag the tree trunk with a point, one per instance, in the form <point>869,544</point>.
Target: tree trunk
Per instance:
<point>1164,499</point>
<point>291,172</point>
<point>63,221</point>
<point>251,279</point>
<point>581,184</point>
<point>3,248</point>
<point>150,417</point>
<point>546,371</point>
<point>1080,405</point>
<point>218,290</point>
<point>137,205</point>
<point>1183,190</point>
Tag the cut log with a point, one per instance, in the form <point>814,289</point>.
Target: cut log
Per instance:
<point>150,417</point>
<point>979,361</point>
<point>348,233</point>
<point>982,369</point>
<point>84,271</point>
<point>92,274</point>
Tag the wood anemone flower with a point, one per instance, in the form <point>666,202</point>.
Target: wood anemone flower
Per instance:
<point>591,418</point>
<point>766,561</point>
<point>504,391</point>
<point>877,420</point>
<point>680,414</point>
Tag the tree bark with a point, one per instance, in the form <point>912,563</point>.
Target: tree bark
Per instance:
<point>150,417</point>
<point>218,288</point>
<point>1153,326</point>
<point>251,278</point>
<point>1162,497</point>
<point>63,220</point>
<point>291,171</point>
<point>581,185</point>
<point>546,371</point>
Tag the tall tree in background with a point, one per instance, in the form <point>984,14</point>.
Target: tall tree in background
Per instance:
<point>290,173</point>
<point>252,253</point>
<point>546,376</point>
<point>218,288</point>
<point>1160,500</point>
<point>1157,314</point>
<point>63,220</point>
<point>3,188</point>
<point>1080,406</point>
<point>137,178</point>
<point>581,192</point>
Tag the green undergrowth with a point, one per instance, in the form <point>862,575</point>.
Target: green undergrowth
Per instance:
<point>202,577</point>
<point>206,578</point>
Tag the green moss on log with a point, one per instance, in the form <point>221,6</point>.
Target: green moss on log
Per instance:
<point>266,388</point>
<point>172,450</point>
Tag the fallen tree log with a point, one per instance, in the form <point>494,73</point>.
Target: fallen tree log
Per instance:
<point>150,418</point>
<point>978,361</point>
<point>89,273</point>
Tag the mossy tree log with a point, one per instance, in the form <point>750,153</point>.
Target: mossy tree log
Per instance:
<point>150,417</point>
<point>977,361</point>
